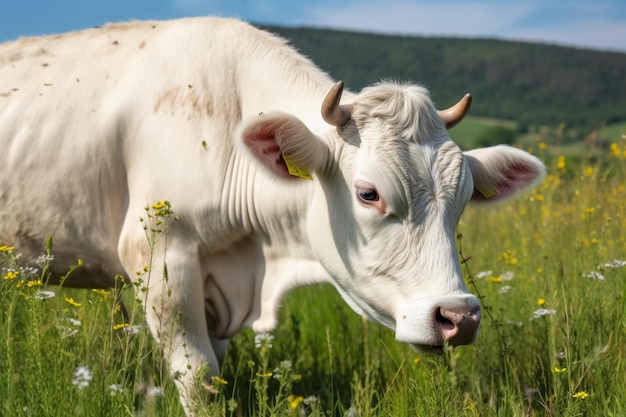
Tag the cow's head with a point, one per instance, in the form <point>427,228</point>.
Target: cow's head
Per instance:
<point>391,187</point>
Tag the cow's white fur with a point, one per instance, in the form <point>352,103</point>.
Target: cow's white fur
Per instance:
<point>96,125</point>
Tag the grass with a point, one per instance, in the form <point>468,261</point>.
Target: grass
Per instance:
<point>553,340</point>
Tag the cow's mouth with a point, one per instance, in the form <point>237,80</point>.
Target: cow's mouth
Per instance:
<point>428,349</point>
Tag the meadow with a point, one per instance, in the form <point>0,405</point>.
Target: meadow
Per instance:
<point>549,269</point>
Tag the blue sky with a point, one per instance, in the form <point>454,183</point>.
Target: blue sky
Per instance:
<point>597,24</point>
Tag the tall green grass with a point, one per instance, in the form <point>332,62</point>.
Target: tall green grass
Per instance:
<point>553,340</point>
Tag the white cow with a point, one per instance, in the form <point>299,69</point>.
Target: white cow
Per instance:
<point>96,125</point>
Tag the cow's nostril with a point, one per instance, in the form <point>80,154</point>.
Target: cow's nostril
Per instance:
<point>444,323</point>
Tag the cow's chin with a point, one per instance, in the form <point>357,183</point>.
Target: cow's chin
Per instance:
<point>426,349</point>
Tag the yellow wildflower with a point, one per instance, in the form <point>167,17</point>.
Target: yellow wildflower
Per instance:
<point>294,401</point>
<point>581,395</point>
<point>558,370</point>
<point>103,293</point>
<point>37,283</point>
<point>219,380</point>
<point>416,360</point>
<point>120,326</point>
<point>5,248</point>
<point>71,301</point>
<point>159,205</point>
<point>615,151</point>
<point>11,275</point>
<point>264,375</point>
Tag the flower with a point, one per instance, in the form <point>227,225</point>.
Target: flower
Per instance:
<point>220,381</point>
<point>263,340</point>
<point>116,389</point>
<point>73,321</point>
<point>5,248</point>
<point>581,395</point>
<point>11,275</point>
<point>132,330</point>
<point>541,302</point>
<point>504,289</point>
<point>42,295</point>
<point>120,326</point>
<point>543,312</point>
<point>71,301</point>
<point>294,401</point>
<point>507,276</point>
<point>104,293</point>
<point>558,370</point>
<point>82,377</point>
<point>594,275</point>
<point>615,263</point>
<point>154,393</point>
<point>44,259</point>
<point>483,274</point>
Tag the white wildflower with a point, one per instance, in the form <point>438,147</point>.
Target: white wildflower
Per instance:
<point>29,271</point>
<point>507,276</point>
<point>484,274</point>
<point>311,399</point>
<point>154,392</point>
<point>43,295</point>
<point>615,263</point>
<point>82,377</point>
<point>263,340</point>
<point>132,330</point>
<point>543,312</point>
<point>116,389</point>
<point>68,331</point>
<point>44,259</point>
<point>73,322</point>
<point>594,275</point>
<point>504,289</point>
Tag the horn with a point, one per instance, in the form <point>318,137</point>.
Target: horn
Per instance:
<point>333,113</point>
<point>456,113</point>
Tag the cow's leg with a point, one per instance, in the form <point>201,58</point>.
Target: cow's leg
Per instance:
<point>174,307</point>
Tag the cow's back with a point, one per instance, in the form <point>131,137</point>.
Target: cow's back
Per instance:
<point>87,117</point>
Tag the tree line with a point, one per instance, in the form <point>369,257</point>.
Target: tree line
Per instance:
<point>532,84</point>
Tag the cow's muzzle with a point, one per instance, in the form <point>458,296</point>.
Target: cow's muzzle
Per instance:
<point>457,326</point>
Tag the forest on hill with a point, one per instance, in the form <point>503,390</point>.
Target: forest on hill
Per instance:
<point>532,84</point>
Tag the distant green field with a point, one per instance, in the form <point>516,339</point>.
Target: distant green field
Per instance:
<point>467,133</point>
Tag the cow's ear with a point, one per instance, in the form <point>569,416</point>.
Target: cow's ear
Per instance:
<point>283,144</point>
<point>503,171</point>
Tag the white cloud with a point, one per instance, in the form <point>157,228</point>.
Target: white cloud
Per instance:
<point>429,18</point>
<point>574,23</point>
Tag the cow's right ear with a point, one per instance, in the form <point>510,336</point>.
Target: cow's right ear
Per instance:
<point>274,137</point>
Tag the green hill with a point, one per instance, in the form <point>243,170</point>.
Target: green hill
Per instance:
<point>532,84</point>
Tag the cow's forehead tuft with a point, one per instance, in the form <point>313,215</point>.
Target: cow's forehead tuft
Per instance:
<point>398,111</point>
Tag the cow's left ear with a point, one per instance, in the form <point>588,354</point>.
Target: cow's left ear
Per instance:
<point>503,171</point>
<point>283,144</point>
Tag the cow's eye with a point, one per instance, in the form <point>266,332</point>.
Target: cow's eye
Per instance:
<point>367,194</point>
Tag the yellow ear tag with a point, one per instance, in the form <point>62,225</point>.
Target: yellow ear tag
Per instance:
<point>295,169</point>
<point>486,192</point>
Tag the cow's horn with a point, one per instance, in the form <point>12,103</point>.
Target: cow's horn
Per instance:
<point>456,113</point>
<point>334,113</point>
